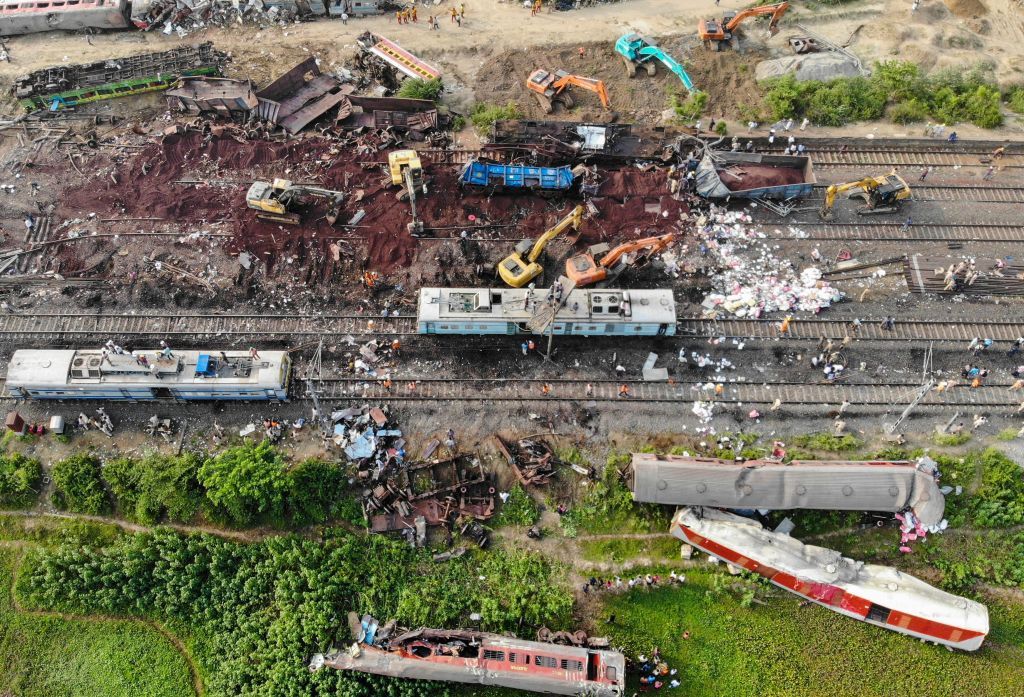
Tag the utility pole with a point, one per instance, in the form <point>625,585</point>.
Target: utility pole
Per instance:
<point>928,380</point>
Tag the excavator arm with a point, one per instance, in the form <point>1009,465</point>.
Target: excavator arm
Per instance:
<point>573,220</point>
<point>586,83</point>
<point>670,63</point>
<point>651,245</point>
<point>776,12</point>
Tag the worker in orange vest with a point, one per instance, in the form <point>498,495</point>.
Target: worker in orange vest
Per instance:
<point>546,389</point>
<point>455,13</point>
<point>623,390</point>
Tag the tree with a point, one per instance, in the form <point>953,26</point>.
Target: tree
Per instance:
<point>315,490</point>
<point>415,88</point>
<point>156,487</point>
<point>79,484</point>
<point>246,484</point>
<point>19,479</point>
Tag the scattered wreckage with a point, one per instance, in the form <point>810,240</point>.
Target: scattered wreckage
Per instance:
<point>841,485</point>
<point>532,460</point>
<point>476,657</point>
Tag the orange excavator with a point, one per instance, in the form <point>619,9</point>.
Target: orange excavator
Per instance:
<point>586,271</point>
<point>549,88</point>
<point>717,32</point>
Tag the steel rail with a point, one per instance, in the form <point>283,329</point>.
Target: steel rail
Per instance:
<point>887,232</point>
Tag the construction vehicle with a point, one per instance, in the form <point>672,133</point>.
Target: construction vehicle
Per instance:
<point>714,32</point>
<point>638,51</point>
<point>882,194</point>
<point>278,200</point>
<point>585,270</point>
<point>516,270</point>
<point>550,88</point>
<point>407,172</point>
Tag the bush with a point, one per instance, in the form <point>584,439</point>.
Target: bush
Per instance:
<point>690,108</point>
<point>722,128</point>
<point>156,488</point>
<point>246,484</point>
<point>519,509</point>
<point>483,116</point>
<point>414,88</point>
<point>1015,100</point>
<point>315,493</point>
<point>19,479</point>
<point>827,442</point>
<point>79,483</point>
<point>913,111</point>
<point>950,440</point>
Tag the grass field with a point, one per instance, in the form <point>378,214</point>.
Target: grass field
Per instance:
<point>783,649</point>
<point>48,656</point>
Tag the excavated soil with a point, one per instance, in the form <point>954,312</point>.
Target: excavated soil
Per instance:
<point>641,98</point>
<point>966,9</point>
<point>630,202</point>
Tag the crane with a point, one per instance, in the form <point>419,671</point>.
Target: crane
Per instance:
<point>407,172</point>
<point>549,88</point>
<point>638,51</point>
<point>716,32</point>
<point>277,200</point>
<point>517,271</point>
<point>882,194</point>
<point>585,271</point>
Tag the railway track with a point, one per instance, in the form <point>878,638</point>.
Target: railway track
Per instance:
<point>951,194</point>
<point>886,232</point>
<point>760,394</point>
<point>80,330</point>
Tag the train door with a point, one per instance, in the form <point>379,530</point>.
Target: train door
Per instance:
<point>592,664</point>
<point>162,393</point>
<point>662,329</point>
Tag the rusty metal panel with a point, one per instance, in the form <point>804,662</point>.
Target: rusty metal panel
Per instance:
<point>268,109</point>
<point>290,81</point>
<point>295,122</point>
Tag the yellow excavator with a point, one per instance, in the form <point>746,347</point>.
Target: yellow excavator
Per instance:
<point>882,194</point>
<point>549,88</point>
<point>516,270</point>
<point>407,172</point>
<point>278,200</point>
<point>714,32</point>
<point>584,270</point>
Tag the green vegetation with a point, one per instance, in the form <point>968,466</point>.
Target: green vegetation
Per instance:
<point>415,88</point>
<point>618,550</point>
<point>520,509</point>
<point>286,598</point>
<point>42,656</point>
<point>722,128</point>
<point>483,115</point>
<point>1007,434</point>
<point>950,440</point>
<point>155,488</point>
<point>1015,99</point>
<point>689,108</point>
<point>827,442</point>
<point>994,489</point>
<point>19,479</point>
<point>608,507</point>
<point>79,484</point>
<point>948,96</point>
<point>742,648</point>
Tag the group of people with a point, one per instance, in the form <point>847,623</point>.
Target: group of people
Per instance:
<point>101,422</point>
<point>410,16</point>
<point>616,583</point>
<point>654,671</point>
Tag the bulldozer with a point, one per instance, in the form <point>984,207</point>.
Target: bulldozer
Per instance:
<point>882,194</point>
<point>407,172</point>
<point>714,32</point>
<point>278,200</point>
<point>550,88</point>
<point>585,270</point>
<point>517,271</point>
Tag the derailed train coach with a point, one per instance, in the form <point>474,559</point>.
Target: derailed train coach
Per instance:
<point>585,312</point>
<point>878,595</point>
<point>33,16</point>
<point>149,375</point>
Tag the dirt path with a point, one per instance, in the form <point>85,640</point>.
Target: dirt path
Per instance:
<point>253,535</point>
<point>179,645</point>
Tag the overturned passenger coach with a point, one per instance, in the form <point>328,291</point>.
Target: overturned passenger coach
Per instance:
<point>878,595</point>
<point>831,485</point>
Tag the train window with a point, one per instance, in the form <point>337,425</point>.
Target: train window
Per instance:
<point>611,673</point>
<point>638,328</point>
<point>512,657</point>
<point>613,309</point>
<point>490,655</point>
<point>597,309</point>
<point>877,613</point>
<point>571,665</point>
<point>609,329</point>
<point>545,661</point>
<point>495,298</point>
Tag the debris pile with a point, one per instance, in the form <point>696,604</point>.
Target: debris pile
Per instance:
<point>751,279</point>
<point>532,460</point>
<point>182,17</point>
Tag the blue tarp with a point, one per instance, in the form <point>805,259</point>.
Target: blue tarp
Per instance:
<point>516,176</point>
<point>203,366</point>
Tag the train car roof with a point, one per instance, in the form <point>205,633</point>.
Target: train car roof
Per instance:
<point>842,484</point>
<point>57,368</point>
<point>644,305</point>
<point>882,585</point>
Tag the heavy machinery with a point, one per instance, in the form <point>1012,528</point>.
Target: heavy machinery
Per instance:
<point>516,270</point>
<point>715,32</point>
<point>549,88</point>
<point>638,51</point>
<point>882,194</point>
<point>407,172</point>
<point>278,200</point>
<point>584,270</point>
